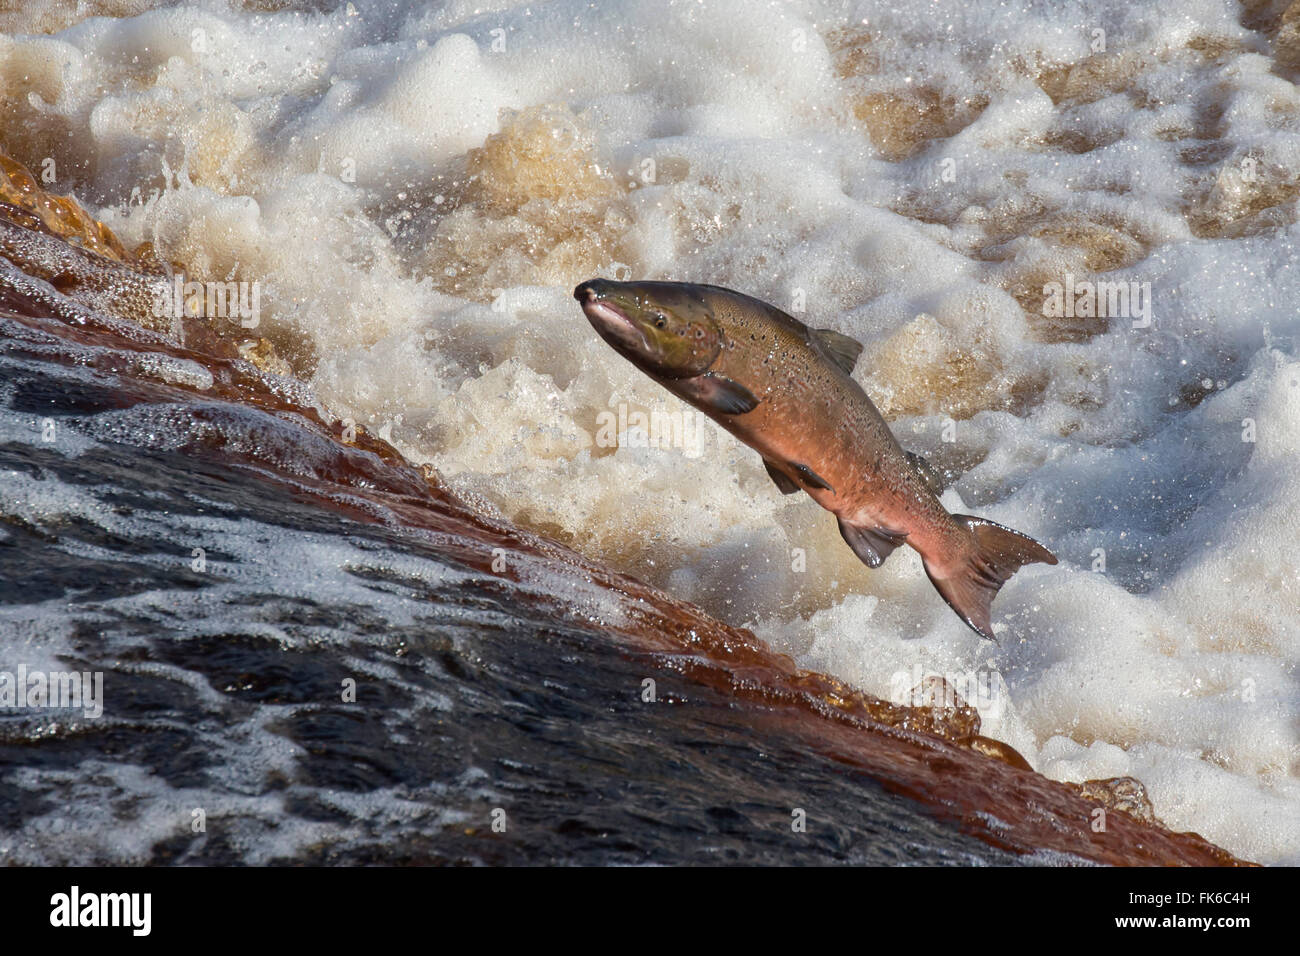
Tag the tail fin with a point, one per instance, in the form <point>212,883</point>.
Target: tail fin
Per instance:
<point>999,553</point>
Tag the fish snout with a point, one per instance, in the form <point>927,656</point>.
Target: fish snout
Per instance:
<point>592,290</point>
<point>608,316</point>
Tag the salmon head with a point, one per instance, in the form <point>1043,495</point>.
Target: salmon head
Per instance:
<point>664,328</point>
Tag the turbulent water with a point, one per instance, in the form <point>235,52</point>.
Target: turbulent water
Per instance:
<point>285,644</point>
<point>415,189</point>
<point>474,699</point>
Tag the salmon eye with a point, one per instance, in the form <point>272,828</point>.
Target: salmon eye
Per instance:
<point>660,321</point>
<point>699,332</point>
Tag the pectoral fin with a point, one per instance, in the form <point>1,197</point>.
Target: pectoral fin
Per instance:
<point>872,545</point>
<point>720,394</point>
<point>811,478</point>
<point>783,481</point>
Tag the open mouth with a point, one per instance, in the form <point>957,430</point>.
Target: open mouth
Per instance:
<point>611,323</point>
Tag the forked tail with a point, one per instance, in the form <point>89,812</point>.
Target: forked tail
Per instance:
<point>999,553</point>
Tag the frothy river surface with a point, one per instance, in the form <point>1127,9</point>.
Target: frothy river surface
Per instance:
<point>415,188</point>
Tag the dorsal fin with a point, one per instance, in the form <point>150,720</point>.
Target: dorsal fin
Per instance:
<point>839,348</point>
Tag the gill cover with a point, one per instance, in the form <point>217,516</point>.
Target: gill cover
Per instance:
<point>664,328</point>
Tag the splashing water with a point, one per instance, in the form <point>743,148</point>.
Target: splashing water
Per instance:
<point>417,188</point>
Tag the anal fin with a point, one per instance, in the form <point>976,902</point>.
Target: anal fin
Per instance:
<point>872,545</point>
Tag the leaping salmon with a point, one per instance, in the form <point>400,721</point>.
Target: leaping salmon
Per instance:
<point>786,390</point>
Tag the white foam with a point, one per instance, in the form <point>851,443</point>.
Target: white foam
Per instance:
<point>324,153</point>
